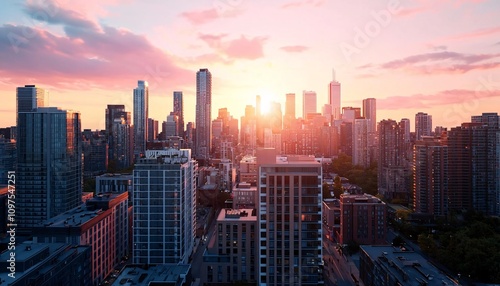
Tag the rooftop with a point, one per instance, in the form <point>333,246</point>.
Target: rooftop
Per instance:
<point>236,214</point>
<point>170,273</point>
<point>407,266</point>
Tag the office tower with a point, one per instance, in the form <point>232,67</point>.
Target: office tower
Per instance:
<point>334,98</point>
<point>7,159</point>
<point>233,256</point>
<point>423,125</point>
<point>49,164</point>
<point>114,111</point>
<point>473,166</point>
<point>492,120</point>
<point>308,103</point>
<point>430,176</point>
<point>289,219</point>
<point>121,138</point>
<point>276,117</point>
<point>95,152</point>
<point>164,207</point>
<point>114,183</point>
<point>346,137</point>
<point>361,143</point>
<point>362,219</point>
<point>141,113</point>
<point>102,223</point>
<point>179,111</point>
<point>203,114</point>
<point>289,117</point>
<point>350,113</point>
<point>30,97</point>
<point>152,130</point>
<point>171,125</point>
<point>370,112</point>
<point>249,128</point>
<point>393,164</point>
<point>190,135</point>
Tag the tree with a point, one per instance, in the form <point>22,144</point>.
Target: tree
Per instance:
<point>337,187</point>
<point>326,190</point>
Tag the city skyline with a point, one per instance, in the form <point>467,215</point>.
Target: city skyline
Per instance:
<point>450,73</point>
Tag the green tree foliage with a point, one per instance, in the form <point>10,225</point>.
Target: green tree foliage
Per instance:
<point>337,187</point>
<point>365,178</point>
<point>326,191</point>
<point>472,249</point>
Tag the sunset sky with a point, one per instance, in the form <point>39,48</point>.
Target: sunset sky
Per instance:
<point>440,57</point>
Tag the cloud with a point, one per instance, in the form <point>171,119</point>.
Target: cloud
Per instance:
<point>446,97</point>
<point>476,33</point>
<point>295,49</point>
<point>412,11</point>
<point>200,17</point>
<point>241,48</point>
<point>87,56</point>
<point>297,4</point>
<point>443,62</point>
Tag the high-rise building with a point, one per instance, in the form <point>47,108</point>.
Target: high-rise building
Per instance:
<point>152,130</point>
<point>30,97</point>
<point>95,152</point>
<point>334,98</point>
<point>164,207</point>
<point>141,113</point>
<point>171,125</point>
<point>49,164</point>
<point>248,128</point>
<point>289,111</point>
<point>361,142</point>
<point>115,111</point>
<point>473,165</point>
<point>7,159</point>
<point>203,114</point>
<point>362,219</point>
<point>423,125</point>
<point>121,138</point>
<point>308,103</point>
<point>350,113</point>
<point>289,219</point>
<point>179,111</point>
<point>393,163</point>
<point>430,176</point>
<point>370,113</point>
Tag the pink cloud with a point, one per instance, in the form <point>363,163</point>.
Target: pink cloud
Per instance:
<point>295,49</point>
<point>296,4</point>
<point>87,56</point>
<point>199,17</point>
<point>443,62</point>
<point>454,96</point>
<point>242,48</point>
<point>412,11</point>
<point>476,33</point>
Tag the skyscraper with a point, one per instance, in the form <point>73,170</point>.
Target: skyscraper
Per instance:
<point>203,114</point>
<point>430,184</point>
<point>141,113</point>
<point>308,103</point>
<point>119,135</point>
<point>361,141</point>
<point>334,98</point>
<point>179,111</point>
<point>30,97</point>
<point>49,168</point>
<point>164,207</point>
<point>423,125</point>
<point>370,113</point>
<point>289,219</point>
<point>289,110</point>
<point>393,163</point>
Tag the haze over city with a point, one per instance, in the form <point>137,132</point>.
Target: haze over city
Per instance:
<point>440,57</point>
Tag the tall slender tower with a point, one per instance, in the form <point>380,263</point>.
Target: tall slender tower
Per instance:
<point>334,98</point>
<point>30,97</point>
<point>179,111</point>
<point>203,114</point>
<point>308,103</point>
<point>370,113</point>
<point>289,110</point>
<point>141,103</point>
